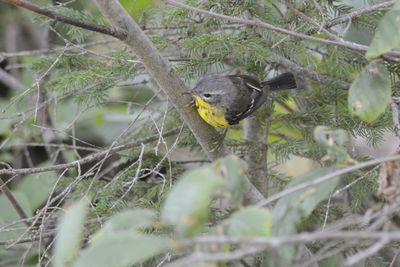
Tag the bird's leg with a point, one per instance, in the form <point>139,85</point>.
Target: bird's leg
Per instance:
<point>218,143</point>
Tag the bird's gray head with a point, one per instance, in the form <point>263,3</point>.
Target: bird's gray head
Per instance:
<point>212,88</point>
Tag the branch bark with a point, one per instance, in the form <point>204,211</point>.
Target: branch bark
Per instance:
<point>117,33</point>
<point>359,12</point>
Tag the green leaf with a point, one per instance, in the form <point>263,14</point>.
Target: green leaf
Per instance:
<point>370,92</point>
<point>69,233</point>
<point>233,170</point>
<point>291,209</point>
<point>130,220</point>
<point>250,221</point>
<point>120,249</point>
<point>327,136</point>
<point>387,35</point>
<point>187,205</point>
<point>37,187</point>
<point>8,216</point>
<point>135,8</point>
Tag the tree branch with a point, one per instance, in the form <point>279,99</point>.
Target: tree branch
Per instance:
<point>318,26</point>
<point>117,33</point>
<point>10,81</point>
<point>359,12</point>
<point>163,73</point>
<point>251,246</point>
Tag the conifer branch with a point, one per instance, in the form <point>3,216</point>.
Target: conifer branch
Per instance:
<point>258,23</point>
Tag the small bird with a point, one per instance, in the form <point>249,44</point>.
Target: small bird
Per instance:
<point>224,100</point>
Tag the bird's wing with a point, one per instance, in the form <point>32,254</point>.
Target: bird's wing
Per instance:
<point>257,94</point>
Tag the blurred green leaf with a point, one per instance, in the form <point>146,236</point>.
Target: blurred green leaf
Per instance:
<point>370,92</point>
<point>333,261</point>
<point>187,205</point>
<point>233,170</point>
<point>9,215</point>
<point>290,209</point>
<point>123,248</point>
<point>135,8</point>
<point>37,187</point>
<point>330,137</point>
<point>130,220</point>
<point>250,221</point>
<point>334,140</point>
<point>70,233</point>
<point>387,34</point>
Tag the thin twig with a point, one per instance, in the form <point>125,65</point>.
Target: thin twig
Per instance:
<point>87,159</point>
<point>317,25</point>
<point>325,178</point>
<point>250,246</point>
<point>354,259</point>
<point>360,12</point>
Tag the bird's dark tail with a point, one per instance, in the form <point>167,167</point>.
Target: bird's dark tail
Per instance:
<point>281,82</point>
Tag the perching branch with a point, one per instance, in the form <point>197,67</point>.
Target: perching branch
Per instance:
<point>117,33</point>
<point>163,73</point>
<point>167,79</point>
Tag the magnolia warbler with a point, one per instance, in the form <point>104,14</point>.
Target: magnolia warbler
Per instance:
<point>225,100</point>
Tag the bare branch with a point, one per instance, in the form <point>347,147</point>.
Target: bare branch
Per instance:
<point>354,259</point>
<point>360,12</point>
<point>251,246</point>
<point>301,238</point>
<point>90,158</point>
<point>117,33</point>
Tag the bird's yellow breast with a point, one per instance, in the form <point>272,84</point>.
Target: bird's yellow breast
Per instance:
<point>210,114</point>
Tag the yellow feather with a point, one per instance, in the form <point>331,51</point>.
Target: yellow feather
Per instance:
<point>211,114</point>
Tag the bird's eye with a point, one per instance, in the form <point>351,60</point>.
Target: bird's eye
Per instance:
<point>207,95</point>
